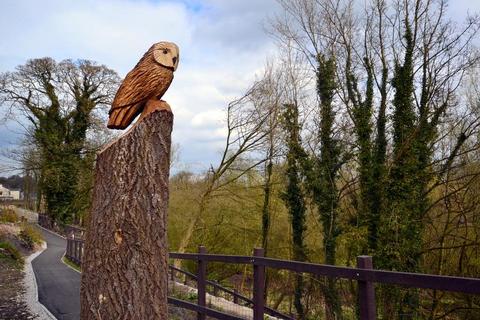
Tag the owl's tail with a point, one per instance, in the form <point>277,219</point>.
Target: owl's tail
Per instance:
<point>120,118</point>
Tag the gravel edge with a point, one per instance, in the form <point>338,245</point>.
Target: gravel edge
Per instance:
<point>31,292</point>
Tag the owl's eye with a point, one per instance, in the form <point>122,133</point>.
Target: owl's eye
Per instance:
<point>165,51</point>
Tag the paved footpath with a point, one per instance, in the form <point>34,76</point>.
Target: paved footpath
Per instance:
<point>58,285</point>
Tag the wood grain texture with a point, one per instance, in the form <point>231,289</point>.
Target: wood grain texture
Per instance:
<point>125,259</point>
<point>147,80</point>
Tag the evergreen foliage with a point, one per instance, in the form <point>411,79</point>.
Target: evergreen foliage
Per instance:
<point>321,173</point>
<point>59,101</point>
<point>328,166</point>
<point>293,196</point>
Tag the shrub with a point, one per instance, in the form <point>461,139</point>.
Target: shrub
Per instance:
<point>189,296</point>
<point>8,215</point>
<point>7,250</point>
<point>30,235</point>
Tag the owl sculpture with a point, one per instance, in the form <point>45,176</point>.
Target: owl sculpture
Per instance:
<point>144,85</point>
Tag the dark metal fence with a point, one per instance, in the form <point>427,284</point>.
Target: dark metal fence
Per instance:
<point>74,235</point>
<point>65,230</point>
<point>218,290</point>
<point>74,250</point>
<point>363,274</point>
<point>45,221</point>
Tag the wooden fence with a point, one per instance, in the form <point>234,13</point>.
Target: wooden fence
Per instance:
<point>363,274</point>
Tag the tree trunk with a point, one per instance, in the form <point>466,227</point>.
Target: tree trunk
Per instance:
<point>267,190</point>
<point>125,260</point>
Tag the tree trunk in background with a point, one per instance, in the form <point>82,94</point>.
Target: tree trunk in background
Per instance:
<point>125,261</point>
<point>329,164</point>
<point>267,190</point>
<point>294,198</point>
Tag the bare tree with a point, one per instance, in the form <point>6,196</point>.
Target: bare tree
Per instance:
<point>398,69</point>
<point>245,135</point>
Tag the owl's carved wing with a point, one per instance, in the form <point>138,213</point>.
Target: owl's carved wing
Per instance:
<point>146,81</point>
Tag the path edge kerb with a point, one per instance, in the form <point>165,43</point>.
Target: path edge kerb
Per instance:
<point>31,289</point>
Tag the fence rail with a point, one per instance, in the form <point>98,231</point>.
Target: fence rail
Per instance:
<point>364,274</point>
<point>236,297</point>
<point>202,310</point>
<point>66,230</point>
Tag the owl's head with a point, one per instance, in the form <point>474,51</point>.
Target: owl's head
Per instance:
<point>166,54</point>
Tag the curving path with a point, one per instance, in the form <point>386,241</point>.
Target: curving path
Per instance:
<point>58,285</point>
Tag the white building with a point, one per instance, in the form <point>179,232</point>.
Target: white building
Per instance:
<point>6,194</point>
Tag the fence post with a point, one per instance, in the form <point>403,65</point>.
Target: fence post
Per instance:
<point>366,291</point>
<point>67,253</point>
<point>72,250</point>
<point>76,251</point>
<point>74,255</point>
<point>201,282</point>
<point>235,298</point>
<point>81,252</point>
<point>258,286</point>
<point>79,256</point>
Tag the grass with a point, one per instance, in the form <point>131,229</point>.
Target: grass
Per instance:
<point>9,252</point>
<point>30,235</point>
<point>190,296</point>
<point>71,264</point>
<point>8,215</point>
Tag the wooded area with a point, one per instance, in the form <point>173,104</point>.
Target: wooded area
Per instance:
<point>360,137</point>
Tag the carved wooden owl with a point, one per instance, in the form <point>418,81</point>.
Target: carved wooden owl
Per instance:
<point>149,80</point>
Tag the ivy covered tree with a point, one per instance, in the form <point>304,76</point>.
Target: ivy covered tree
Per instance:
<point>399,70</point>
<point>327,166</point>
<point>293,196</point>
<point>321,170</point>
<point>59,101</point>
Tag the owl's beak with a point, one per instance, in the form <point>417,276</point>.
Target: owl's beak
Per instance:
<point>174,60</point>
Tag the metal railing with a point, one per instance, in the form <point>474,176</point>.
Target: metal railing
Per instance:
<point>66,230</point>
<point>74,250</point>
<point>363,274</point>
<point>234,295</point>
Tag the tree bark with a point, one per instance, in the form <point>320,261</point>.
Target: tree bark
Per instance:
<point>125,259</point>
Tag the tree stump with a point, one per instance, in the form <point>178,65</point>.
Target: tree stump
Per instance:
<point>125,260</point>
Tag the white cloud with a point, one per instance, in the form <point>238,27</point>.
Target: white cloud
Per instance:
<point>208,118</point>
<point>222,44</point>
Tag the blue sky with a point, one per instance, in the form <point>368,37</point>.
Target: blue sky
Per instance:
<point>222,47</point>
